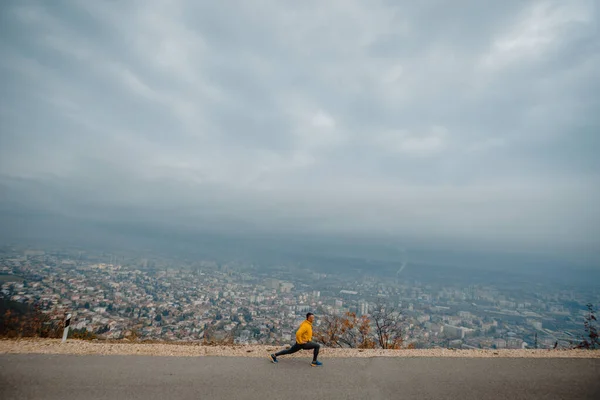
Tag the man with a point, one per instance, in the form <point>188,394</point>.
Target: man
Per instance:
<point>303,342</point>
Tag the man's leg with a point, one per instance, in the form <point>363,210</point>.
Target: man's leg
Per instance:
<point>312,345</point>
<point>296,347</point>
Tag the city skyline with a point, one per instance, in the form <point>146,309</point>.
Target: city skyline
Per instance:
<point>116,296</point>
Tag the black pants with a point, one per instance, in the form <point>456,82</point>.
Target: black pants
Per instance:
<point>305,346</point>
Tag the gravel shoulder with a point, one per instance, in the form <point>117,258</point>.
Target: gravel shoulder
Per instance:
<point>79,347</point>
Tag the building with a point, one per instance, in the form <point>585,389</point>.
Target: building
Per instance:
<point>286,287</point>
<point>453,332</point>
<point>535,323</point>
<point>363,307</point>
<point>272,283</point>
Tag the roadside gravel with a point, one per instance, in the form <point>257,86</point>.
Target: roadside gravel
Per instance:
<point>79,347</point>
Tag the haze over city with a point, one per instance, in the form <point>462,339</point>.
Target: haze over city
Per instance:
<point>470,128</point>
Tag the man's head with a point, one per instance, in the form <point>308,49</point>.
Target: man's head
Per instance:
<point>310,316</point>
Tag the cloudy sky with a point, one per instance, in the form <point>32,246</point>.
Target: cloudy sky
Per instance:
<point>466,120</point>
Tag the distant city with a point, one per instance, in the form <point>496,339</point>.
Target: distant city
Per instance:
<point>117,296</point>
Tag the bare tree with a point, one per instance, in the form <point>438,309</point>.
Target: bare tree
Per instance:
<point>217,337</point>
<point>349,332</point>
<point>346,330</point>
<point>591,339</point>
<point>330,330</point>
<point>387,326</point>
<point>356,331</point>
<point>364,336</point>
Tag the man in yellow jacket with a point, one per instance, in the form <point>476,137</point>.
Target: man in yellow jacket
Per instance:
<point>303,342</point>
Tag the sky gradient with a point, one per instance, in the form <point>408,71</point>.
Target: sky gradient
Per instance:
<point>470,121</point>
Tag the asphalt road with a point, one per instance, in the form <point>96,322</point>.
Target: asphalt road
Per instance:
<point>142,377</point>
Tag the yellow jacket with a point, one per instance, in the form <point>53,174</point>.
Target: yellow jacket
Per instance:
<point>304,333</point>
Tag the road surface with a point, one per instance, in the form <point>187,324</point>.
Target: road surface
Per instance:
<point>29,376</point>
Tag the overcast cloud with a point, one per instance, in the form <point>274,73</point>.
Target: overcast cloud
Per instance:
<point>467,120</point>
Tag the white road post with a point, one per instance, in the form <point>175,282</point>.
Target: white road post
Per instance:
<point>66,331</point>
